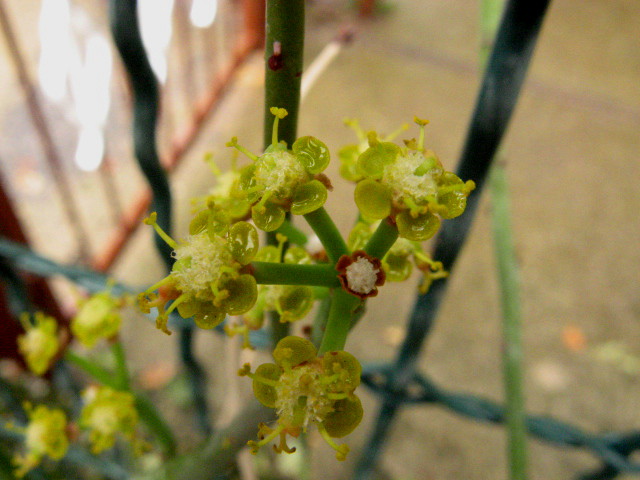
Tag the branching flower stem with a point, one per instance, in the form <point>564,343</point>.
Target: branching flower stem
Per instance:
<point>323,226</point>
<point>382,240</point>
<point>341,311</point>
<point>293,274</point>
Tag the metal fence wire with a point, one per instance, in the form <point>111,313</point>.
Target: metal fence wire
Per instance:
<point>399,383</point>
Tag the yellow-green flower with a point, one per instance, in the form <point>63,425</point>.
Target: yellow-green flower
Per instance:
<point>99,317</point>
<point>410,185</point>
<point>206,281</point>
<point>109,414</point>
<point>226,193</point>
<point>305,388</point>
<point>40,342</point>
<point>349,154</point>
<point>282,180</point>
<point>45,435</point>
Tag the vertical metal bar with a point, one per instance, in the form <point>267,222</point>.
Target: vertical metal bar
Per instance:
<point>44,134</point>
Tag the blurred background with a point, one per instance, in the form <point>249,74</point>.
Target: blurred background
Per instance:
<point>571,154</point>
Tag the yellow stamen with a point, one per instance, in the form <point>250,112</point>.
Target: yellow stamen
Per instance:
<point>341,450</point>
<point>152,220</point>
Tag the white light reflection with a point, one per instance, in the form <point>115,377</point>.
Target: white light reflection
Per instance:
<point>90,82</point>
<point>203,12</point>
<point>155,28</point>
<point>54,26</point>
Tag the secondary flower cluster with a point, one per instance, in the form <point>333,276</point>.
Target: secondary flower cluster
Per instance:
<point>106,413</point>
<point>282,180</point>
<point>45,436</point>
<point>306,388</point>
<point>207,280</point>
<point>408,184</point>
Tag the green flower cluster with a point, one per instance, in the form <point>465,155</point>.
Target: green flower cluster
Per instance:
<point>282,180</point>
<point>306,388</point>
<point>40,343</point>
<point>107,415</point>
<point>98,317</point>
<point>408,184</point>
<point>45,436</point>
<point>207,280</point>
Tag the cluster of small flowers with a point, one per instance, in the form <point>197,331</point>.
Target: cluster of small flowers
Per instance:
<point>212,277</point>
<point>406,184</point>
<point>106,414</point>
<point>305,388</point>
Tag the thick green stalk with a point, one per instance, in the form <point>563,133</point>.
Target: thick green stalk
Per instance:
<point>511,325</point>
<point>284,46</point>
<point>341,311</point>
<point>329,235</point>
<point>269,273</point>
<point>382,239</point>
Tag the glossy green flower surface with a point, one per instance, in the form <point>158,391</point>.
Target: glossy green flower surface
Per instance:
<point>39,344</point>
<point>282,180</point>
<point>306,388</point>
<point>44,436</point>
<point>206,282</point>
<point>409,184</point>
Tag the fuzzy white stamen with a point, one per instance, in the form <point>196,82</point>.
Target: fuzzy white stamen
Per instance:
<point>280,172</point>
<point>362,276</point>
<point>204,259</point>
<point>400,176</point>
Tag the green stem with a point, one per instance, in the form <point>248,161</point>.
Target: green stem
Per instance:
<point>382,239</point>
<point>271,273</point>
<point>339,322</point>
<point>122,372</point>
<point>511,325</point>
<point>322,224</point>
<point>293,234</point>
<point>156,423</point>
<point>320,321</point>
<point>284,46</point>
<point>97,372</point>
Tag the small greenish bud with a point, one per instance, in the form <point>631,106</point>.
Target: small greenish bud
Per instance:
<point>98,317</point>
<point>39,344</point>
